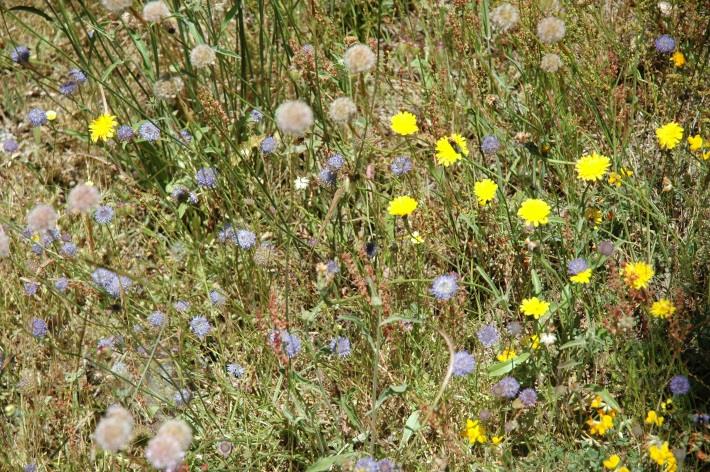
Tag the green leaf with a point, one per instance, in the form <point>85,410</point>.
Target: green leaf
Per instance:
<point>33,10</point>
<point>410,427</point>
<point>502,368</point>
<point>576,342</point>
<point>536,281</point>
<point>388,392</point>
<point>324,464</point>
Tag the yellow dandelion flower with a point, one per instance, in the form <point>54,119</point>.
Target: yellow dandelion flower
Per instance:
<point>592,167</point>
<point>402,206</point>
<point>51,115</point>
<point>638,274</point>
<point>534,307</point>
<point>103,127</point>
<point>582,277</point>
<point>506,355</point>
<point>497,440</point>
<point>662,308</point>
<point>594,215</point>
<point>678,59</point>
<point>612,462</point>
<point>475,432</point>
<point>653,418</point>
<point>695,142</point>
<point>450,149</point>
<point>404,123</point>
<point>485,191</point>
<point>669,135</point>
<point>534,211</point>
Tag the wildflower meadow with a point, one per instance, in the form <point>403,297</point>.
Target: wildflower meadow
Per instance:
<point>354,235</point>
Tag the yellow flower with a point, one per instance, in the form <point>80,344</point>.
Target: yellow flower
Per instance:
<point>638,274</point>
<point>450,149</point>
<point>593,214</point>
<point>415,238</point>
<point>592,167</point>
<point>653,418</point>
<point>583,277</point>
<point>623,469</point>
<point>402,206</point>
<point>612,462</point>
<point>506,355</point>
<point>485,191</point>
<point>706,155</point>
<point>533,341</point>
<point>669,135</point>
<point>615,178</point>
<point>404,123</point>
<point>103,127</point>
<point>597,402</point>
<point>601,426</point>
<point>695,142</point>
<point>662,308</point>
<point>534,211</point>
<point>476,432</point>
<point>678,59</point>
<point>662,455</point>
<point>497,439</point>
<point>667,405</point>
<point>534,307</point>
<point>51,115</point>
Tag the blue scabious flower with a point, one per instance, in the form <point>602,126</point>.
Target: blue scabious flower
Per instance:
<point>255,116</point>
<point>181,305</point>
<point>235,369</point>
<point>192,198</point>
<point>290,343</point>
<point>226,234</point>
<point>37,117</point>
<point>20,54</point>
<point>103,215</point>
<point>444,287</point>
<point>124,133</point>
<point>200,326</point>
<point>31,288</point>
<point>366,464</point>
<point>179,193</point>
<point>332,266</point>
<point>488,335</point>
<point>39,327</point>
<point>149,132</point>
<point>206,177</point>
<point>679,385</point>
<point>182,397</point>
<point>327,177</point>
<point>401,165</point>
<point>490,145</point>
<point>506,387</point>
<point>464,363</point>
<point>69,249</point>
<point>386,465</point>
<point>185,136</point>
<point>61,284</point>
<point>528,397</point>
<point>78,76</point>
<point>111,282</point>
<point>106,343</point>
<point>68,88</point>
<point>665,44</point>
<point>340,346</point>
<point>575,266</point>
<point>336,162</point>
<point>30,468</point>
<point>156,319</point>
<point>268,145</point>
<point>37,249</point>
<point>245,239</point>
<point>10,145</point>
<point>216,298</point>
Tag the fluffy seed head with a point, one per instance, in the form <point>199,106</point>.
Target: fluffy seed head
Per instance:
<point>115,429</point>
<point>164,452</point>
<point>156,11</point>
<point>294,117</point>
<point>550,30</point>
<point>550,63</point>
<point>168,89</point>
<point>42,218</point>
<point>83,198</point>
<point>359,58</point>
<point>342,110</point>
<point>178,430</point>
<point>202,56</point>
<point>116,6</point>
<point>504,17</point>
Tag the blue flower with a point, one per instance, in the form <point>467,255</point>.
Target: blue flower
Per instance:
<point>10,146</point>
<point>332,266</point>
<point>103,215</point>
<point>444,287</point>
<point>206,177</point>
<point>30,468</point>
<point>235,369</point>
<point>78,76</point>
<point>31,288</point>
<point>488,335</point>
<point>106,343</point>
<point>149,132</point>
<point>464,363</point>
<point>679,385</point>
<point>366,464</point>
<point>156,319</point>
<point>20,54</point>
<point>401,165</point>
<point>490,145</point>
<point>255,116</point>
<point>327,177</point>
<point>506,387</point>
<point>336,162</point>
<point>245,239</point>
<point>268,145</point>
<point>124,133</point>
<point>665,44</point>
<point>112,283</point>
<point>575,266</point>
<point>182,306</point>
<point>386,465</point>
<point>340,346</point>
<point>39,327</point>
<point>68,88</point>
<point>528,397</point>
<point>61,284</point>
<point>216,298</point>
<point>290,343</point>
<point>69,249</point>
<point>182,397</point>
<point>226,234</point>
<point>37,117</point>
<point>185,136</point>
<point>200,326</point>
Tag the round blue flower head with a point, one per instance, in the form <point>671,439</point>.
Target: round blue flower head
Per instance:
<point>106,343</point>
<point>111,282</point>
<point>332,266</point>
<point>31,288</point>
<point>488,335</point>
<point>528,397</point>
<point>20,54</point>
<point>10,145</point>
<point>182,397</point>
<point>268,145</point>
<point>149,132</point>
<point>245,239</point>
<point>124,133</point>
<point>444,287</point>
<point>68,88</point>
<point>226,234</point>
<point>327,177</point>
<point>200,326</point>
<point>61,284</point>
<point>290,343</point>
<point>37,249</point>
<point>401,165</point>
<point>340,346</point>
<point>506,387</point>
<point>192,198</point>
<point>665,44</point>
<point>679,385</point>
<point>386,465</point>
<point>30,468</point>
<point>185,136</point>
<point>575,266</point>
<point>181,305</point>
<point>464,363</point>
<point>255,116</point>
<point>103,215</point>
<point>78,76</point>
<point>490,145</point>
<point>37,117</point>
<point>216,298</point>
<point>336,162</point>
<point>366,464</point>
<point>69,249</point>
<point>39,327</point>
<point>156,319</point>
<point>206,177</point>
<point>235,370</point>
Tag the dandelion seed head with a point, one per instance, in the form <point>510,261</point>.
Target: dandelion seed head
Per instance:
<point>83,198</point>
<point>42,218</point>
<point>342,110</point>
<point>504,17</point>
<point>464,363</point>
<point>225,448</point>
<point>168,89</point>
<point>115,429</point>
<point>550,63</point>
<point>116,6</point>
<point>178,430</point>
<point>294,117</point>
<point>550,30</point>
<point>164,452</point>
<point>359,58</point>
<point>202,56</point>
<point>155,11</point>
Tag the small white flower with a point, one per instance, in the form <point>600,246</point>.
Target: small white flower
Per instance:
<point>548,339</point>
<point>665,8</point>
<point>301,183</point>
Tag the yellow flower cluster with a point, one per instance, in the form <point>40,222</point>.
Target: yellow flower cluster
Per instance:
<point>605,418</point>
<point>612,462</point>
<point>475,432</point>
<point>663,456</point>
<point>506,355</point>
<point>615,178</point>
<point>653,418</point>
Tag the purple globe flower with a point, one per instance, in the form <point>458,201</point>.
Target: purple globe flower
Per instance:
<point>68,88</point>
<point>37,117</point>
<point>200,326</point>
<point>111,282</point>
<point>226,234</point>
<point>268,145</point>
<point>69,249</point>
<point>78,76</point>
<point>332,266</point>
<point>245,239</point>
<point>327,177</point>
<point>386,465</point>
<point>20,54</point>
<point>444,287</point>
<point>506,387</point>
<point>340,346</point>
<point>181,305</point>
<point>235,370</point>
<point>156,319</point>
<point>490,145</point>
<point>255,116</point>
<point>103,215</point>
<point>366,464</point>
<point>216,298</point>
<point>336,162</point>
<point>31,288</point>
<point>679,385</point>
<point>206,177</point>
<point>401,165</point>
<point>124,133</point>
<point>39,327</point>
<point>488,335</point>
<point>665,44</point>
<point>61,284</point>
<point>528,397</point>
<point>30,468</point>
<point>606,248</point>
<point>464,363</point>
<point>182,397</point>
<point>149,132</point>
<point>575,266</point>
<point>10,146</point>
<point>290,343</point>
<point>185,136</point>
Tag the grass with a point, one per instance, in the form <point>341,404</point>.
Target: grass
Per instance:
<point>394,396</point>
